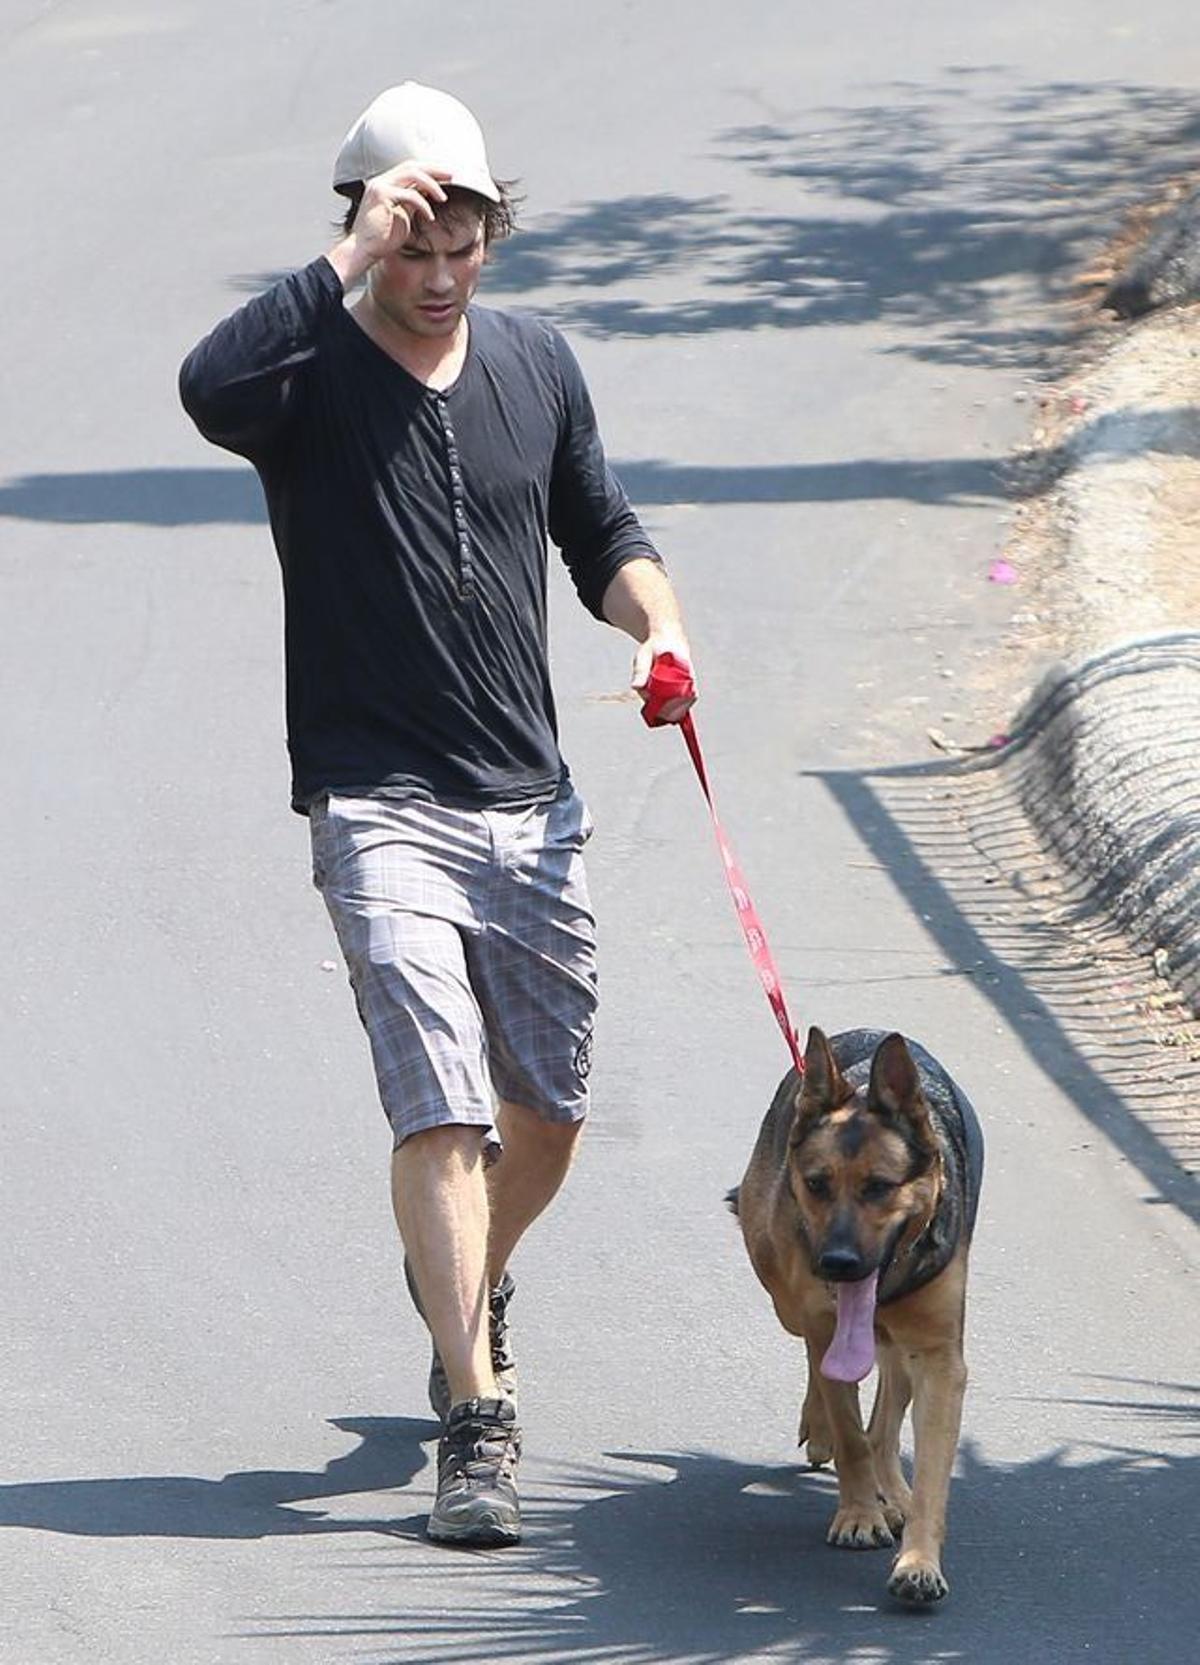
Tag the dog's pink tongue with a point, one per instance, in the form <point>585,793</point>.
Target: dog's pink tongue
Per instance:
<point>851,1353</point>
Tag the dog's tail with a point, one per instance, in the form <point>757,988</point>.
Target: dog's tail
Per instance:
<point>731,1198</point>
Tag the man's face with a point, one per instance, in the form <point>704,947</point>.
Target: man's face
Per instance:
<point>425,286</point>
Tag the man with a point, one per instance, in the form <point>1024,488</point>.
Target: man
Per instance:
<point>415,452</point>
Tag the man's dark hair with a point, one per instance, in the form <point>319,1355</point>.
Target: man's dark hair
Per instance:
<point>499,218</point>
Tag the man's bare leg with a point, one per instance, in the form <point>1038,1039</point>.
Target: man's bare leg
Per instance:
<point>537,1157</point>
<point>458,1226</point>
<point>440,1199</point>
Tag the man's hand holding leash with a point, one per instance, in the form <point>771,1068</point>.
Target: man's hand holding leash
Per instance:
<point>641,602</point>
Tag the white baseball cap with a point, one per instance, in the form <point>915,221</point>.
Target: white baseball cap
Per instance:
<point>412,122</point>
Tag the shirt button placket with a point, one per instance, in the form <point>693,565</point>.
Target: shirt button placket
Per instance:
<point>458,503</point>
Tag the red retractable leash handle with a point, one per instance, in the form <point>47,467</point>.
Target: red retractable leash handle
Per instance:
<point>671,679</point>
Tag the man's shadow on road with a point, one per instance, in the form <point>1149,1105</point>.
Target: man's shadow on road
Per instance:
<point>257,1503</point>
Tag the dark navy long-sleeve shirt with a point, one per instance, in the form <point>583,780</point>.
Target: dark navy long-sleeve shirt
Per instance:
<point>411,530</point>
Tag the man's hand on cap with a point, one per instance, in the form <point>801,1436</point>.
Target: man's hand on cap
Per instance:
<point>394,204</point>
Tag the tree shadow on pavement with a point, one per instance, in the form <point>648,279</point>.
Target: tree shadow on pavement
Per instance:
<point>170,497</point>
<point>701,1558</point>
<point>232,495</point>
<point>927,207</point>
<point>931,208</point>
<point>138,497</point>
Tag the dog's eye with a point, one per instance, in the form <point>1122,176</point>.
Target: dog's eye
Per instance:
<point>817,1185</point>
<point>878,1190</point>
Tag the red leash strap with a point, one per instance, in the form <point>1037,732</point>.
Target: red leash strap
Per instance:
<point>670,679</point>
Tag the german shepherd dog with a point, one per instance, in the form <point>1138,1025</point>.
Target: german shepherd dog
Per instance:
<point>857,1210</point>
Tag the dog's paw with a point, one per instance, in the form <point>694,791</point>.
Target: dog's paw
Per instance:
<point>894,1513</point>
<point>860,1526</point>
<point>895,1499</point>
<point>818,1448</point>
<point>917,1581</point>
<point>813,1432</point>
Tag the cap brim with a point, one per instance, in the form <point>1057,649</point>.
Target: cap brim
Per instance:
<point>354,168</point>
<point>344,184</point>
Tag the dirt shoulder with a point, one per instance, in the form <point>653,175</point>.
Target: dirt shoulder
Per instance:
<point>1106,539</point>
<point>1089,818</point>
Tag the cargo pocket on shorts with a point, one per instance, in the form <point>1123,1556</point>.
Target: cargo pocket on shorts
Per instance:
<point>570,823</point>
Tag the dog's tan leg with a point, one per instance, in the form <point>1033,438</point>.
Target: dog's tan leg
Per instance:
<point>814,1423</point>
<point>939,1380</point>
<point>883,1434</point>
<point>860,1522</point>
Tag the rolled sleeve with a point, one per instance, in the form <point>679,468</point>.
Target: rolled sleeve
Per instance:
<point>591,519</point>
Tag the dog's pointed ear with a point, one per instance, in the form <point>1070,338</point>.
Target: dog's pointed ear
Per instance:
<point>894,1080</point>
<point>895,1086</point>
<point>822,1087</point>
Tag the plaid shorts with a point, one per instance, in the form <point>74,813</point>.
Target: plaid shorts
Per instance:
<point>470,944</point>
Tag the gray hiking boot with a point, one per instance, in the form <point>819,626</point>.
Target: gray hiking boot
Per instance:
<point>504,1363</point>
<point>476,1501</point>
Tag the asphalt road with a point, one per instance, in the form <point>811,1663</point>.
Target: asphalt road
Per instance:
<point>808,259</point>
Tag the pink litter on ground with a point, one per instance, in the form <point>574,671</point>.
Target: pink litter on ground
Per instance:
<point>1002,572</point>
<point>998,740</point>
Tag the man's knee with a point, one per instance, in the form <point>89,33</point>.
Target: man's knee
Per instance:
<point>449,1143</point>
<point>556,1132</point>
